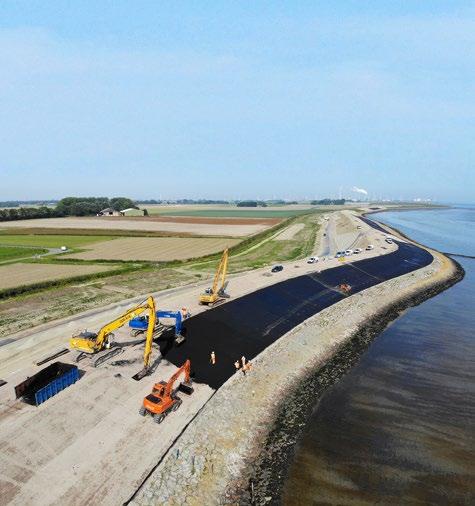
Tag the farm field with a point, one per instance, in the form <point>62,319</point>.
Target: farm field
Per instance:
<point>50,241</point>
<point>229,211</point>
<point>154,249</point>
<point>140,224</point>
<point>10,253</point>
<point>21,274</point>
<point>191,207</point>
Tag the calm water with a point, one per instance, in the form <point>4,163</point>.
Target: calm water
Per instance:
<point>399,427</point>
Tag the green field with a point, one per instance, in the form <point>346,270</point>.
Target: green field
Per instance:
<point>233,213</point>
<point>51,241</point>
<point>12,253</point>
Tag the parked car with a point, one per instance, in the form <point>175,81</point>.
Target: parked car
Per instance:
<point>389,240</point>
<point>277,268</point>
<point>357,251</point>
<point>312,260</point>
<point>369,247</point>
<point>339,254</point>
<point>358,227</point>
<point>348,252</point>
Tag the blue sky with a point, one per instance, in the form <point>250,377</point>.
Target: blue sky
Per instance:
<point>242,99</point>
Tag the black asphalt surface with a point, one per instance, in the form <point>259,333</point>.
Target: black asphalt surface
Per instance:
<point>249,324</point>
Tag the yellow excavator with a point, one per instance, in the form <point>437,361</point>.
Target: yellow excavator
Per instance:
<point>215,293</point>
<point>91,343</point>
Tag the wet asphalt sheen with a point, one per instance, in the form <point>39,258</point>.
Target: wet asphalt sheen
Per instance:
<point>247,325</point>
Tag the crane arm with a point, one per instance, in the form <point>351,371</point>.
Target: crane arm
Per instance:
<point>185,368</point>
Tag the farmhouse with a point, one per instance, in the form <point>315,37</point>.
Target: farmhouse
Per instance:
<point>108,211</point>
<point>132,212</point>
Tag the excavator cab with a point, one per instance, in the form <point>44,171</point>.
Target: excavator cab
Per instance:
<point>164,399</point>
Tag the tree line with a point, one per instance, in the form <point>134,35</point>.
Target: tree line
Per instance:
<point>251,203</point>
<point>328,202</point>
<point>69,206</point>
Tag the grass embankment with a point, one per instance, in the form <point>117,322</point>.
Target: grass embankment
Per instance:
<point>11,253</point>
<point>267,249</point>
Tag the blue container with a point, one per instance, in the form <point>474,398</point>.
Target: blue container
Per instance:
<point>47,382</point>
<point>58,384</point>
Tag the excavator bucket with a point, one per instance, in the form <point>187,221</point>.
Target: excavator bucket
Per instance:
<point>141,374</point>
<point>186,388</point>
<point>179,339</point>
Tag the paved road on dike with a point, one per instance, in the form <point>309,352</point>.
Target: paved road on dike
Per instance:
<point>249,324</point>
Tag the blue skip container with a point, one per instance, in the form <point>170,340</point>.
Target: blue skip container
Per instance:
<point>48,382</point>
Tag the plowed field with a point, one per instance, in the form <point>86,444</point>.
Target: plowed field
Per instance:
<point>28,274</point>
<point>154,248</point>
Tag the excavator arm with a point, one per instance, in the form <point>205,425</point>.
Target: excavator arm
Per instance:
<point>99,342</point>
<point>152,318</point>
<point>184,369</point>
<point>215,292</point>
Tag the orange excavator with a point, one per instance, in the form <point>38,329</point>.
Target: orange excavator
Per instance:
<point>345,288</point>
<point>163,398</point>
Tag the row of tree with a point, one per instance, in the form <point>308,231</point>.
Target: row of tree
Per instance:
<point>25,213</point>
<point>251,203</point>
<point>89,206</point>
<point>328,202</point>
<point>69,206</point>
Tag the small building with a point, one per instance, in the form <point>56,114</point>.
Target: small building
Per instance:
<point>108,211</point>
<point>132,212</point>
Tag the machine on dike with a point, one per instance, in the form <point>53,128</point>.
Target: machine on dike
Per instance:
<point>164,399</point>
<point>217,293</point>
<point>101,346</point>
<point>140,324</point>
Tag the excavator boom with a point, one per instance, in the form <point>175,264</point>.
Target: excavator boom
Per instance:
<point>218,289</point>
<point>184,369</point>
<point>93,343</point>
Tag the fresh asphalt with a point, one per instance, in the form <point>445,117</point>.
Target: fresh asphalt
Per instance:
<point>247,325</point>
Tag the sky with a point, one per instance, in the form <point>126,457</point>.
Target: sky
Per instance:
<point>223,99</point>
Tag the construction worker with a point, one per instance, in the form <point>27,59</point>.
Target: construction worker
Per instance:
<point>248,366</point>
<point>243,361</point>
<point>212,358</point>
<point>237,365</point>
<point>184,313</point>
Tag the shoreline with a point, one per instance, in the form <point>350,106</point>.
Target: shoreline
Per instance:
<point>244,426</point>
<point>278,450</point>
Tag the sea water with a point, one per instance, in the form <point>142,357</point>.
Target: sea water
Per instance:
<point>399,428</point>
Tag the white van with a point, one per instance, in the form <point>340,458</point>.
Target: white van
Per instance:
<point>312,260</point>
<point>348,252</point>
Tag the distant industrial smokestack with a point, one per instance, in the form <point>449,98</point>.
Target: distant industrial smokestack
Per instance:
<point>359,190</point>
